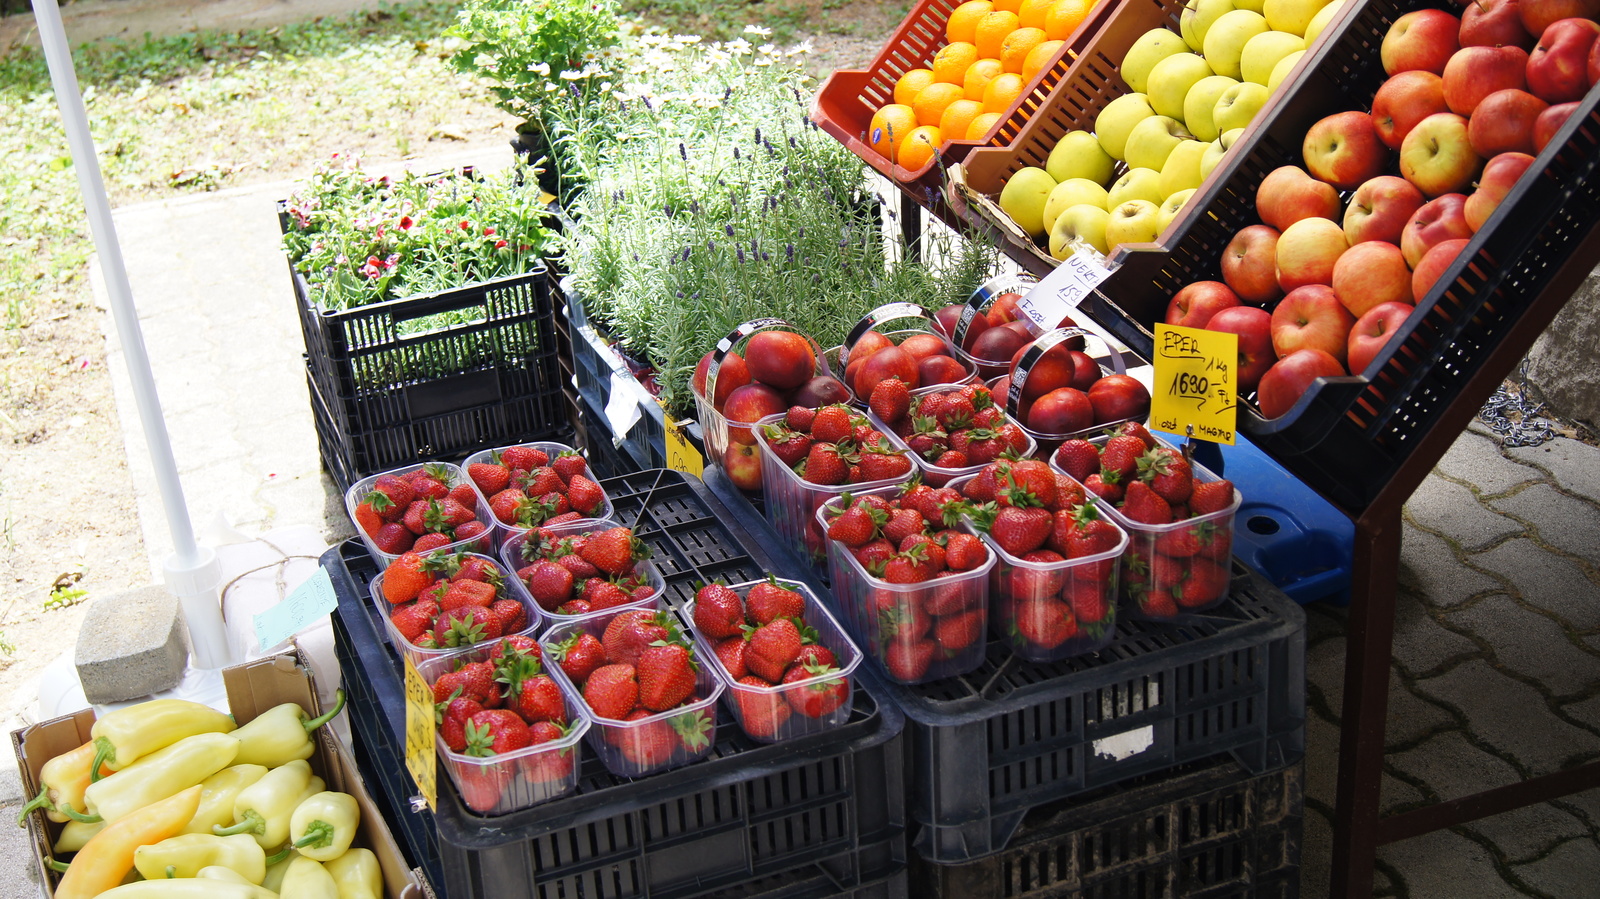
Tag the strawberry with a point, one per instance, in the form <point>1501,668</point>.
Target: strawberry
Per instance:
<point>563,518</point>
<point>1207,583</point>
<point>477,568</point>
<point>832,424</point>
<point>540,481</point>
<point>903,568</point>
<point>368,519</point>
<point>1018,530</point>
<point>452,718</point>
<point>474,680</point>
<point>816,699</point>
<point>568,558</point>
<point>718,611</point>
<point>856,526</point>
<point>883,463</point>
<point>411,620</point>
<point>1210,496</point>
<point>984,446</point>
<point>814,653</point>
<point>874,554</point>
<point>825,465</point>
<point>964,552</point>
<point>430,481</point>
<point>1159,604</point>
<point>513,615</point>
<point>762,713</point>
<point>730,652</point>
<point>430,542</point>
<point>579,655</point>
<point>612,691</point>
<point>956,412</point>
<point>482,785</point>
<point>952,459</point>
<point>573,608</point>
<point>606,595</point>
<point>666,674</point>
<point>1135,429</point>
<point>788,445</point>
<point>799,418</point>
<point>771,647</point>
<point>549,583</point>
<point>768,601</point>
<point>1091,536</point>
<point>613,550</point>
<point>569,465</point>
<point>490,477</point>
<point>458,594</point>
<point>465,626</point>
<point>495,732</point>
<point>517,643</point>
<point>1044,621</point>
<point>908,661</point>
<point>954,633</point>
<point>890,401</point>
<point>1110,491</point>
<point>584,495</point>
<point>552,766</point>
<point>900,620</point>
<point>1119,459</point>
<point>630,632</point>
<point>551,505</point>
<point>950,597</point>
<point>1167,473</point>
<point>406,577</point>
<point>1186,541</point>
<point>390,495</point>
<point>1090,599</point>
<point>1032,483</point>
<point>981,488</point>
<point>539,699</point>
<point>1025,581</point>
<point>393,538</point>
<point>902,523</point>
<point>526,458</point>
<point>1141,504</point>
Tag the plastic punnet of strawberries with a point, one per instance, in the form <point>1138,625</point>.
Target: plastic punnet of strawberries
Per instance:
<point>784,679</point>
<point>527,488</point>
<point>834,445</point>
<point>578,573</point>
<point>949,429</point>
<point>1179,518</point>
<point>634,676</point>
<point>444,600</point>
<point>425,509</point>
<point>497,702</point>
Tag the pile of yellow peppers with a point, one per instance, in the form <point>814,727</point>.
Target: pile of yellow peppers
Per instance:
<point>169,798</point>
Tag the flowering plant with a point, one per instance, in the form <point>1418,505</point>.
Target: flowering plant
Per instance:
<point>520,45</point>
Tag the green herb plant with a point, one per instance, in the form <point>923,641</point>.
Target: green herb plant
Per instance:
<point>519,45</point>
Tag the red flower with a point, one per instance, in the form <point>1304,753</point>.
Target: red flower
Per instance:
<point>406,222</point>
<point>488,231</point>
<point>499,244</point>
<point>466,226</point>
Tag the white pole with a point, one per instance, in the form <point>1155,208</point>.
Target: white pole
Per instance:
<point>192,572</point>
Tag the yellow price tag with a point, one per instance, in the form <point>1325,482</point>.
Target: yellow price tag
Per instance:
<point>681,454</point>
<point>421,759</point>
<point>1195,383</point>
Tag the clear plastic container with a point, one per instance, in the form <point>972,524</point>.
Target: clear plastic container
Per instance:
<point>650,744</point>
<point>1163,559</point>
<point>791,501</point>
<point>484,543</point>
<point>418,654</point>
<point>520,778</point>
<point>893,622</point>
<point>935,475</point>
<point>899,312</point>
<point>511,559</point>
<point>1046,442</point>
<point>752,705</point>
<point>552,449</point>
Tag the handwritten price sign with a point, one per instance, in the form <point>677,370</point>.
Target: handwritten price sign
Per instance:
<point>421,757</point>
<point>1195,383</point>
<point>1063,290</point>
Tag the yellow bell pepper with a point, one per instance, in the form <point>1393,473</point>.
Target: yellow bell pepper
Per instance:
<point>75,835</point>
<point>218,792</point>
<point>263,808</point>
<point>128,734</point>
<point>108,856</point>
<point>357,874</point>
<point>323,826</point>
<point>62,781</point>
<point>184,855</point>
<point>282,734</point>
<point>307,879</point>
<point>188,888</point>
<point>224,874</point>
<point>160,774</point>
<point>276,869</point>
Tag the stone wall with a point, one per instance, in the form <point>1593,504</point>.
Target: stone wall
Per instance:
<point>1564,364</point>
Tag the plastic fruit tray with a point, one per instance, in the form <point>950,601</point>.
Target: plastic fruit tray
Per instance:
<point>482,544</point>
<point>935,475</point>
<point>552,449</point>
<point>417,654</point>
<point>511,557</point>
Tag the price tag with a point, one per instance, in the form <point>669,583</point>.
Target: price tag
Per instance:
<point>622,407</point>
<point>309,601</point>
<point>681,454</point>
<point>1063,290</point>
<point>421,758</point>
<point>1195,383</point>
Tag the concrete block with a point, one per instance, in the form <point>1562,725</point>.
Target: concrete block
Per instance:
<point>132,644</point>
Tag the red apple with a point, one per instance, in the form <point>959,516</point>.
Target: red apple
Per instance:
<point>940,370</point>
<point>1060,411</point>
<point>1593,68</point>
<point>921,346</point>
<point>1421,39</point>
<point>1370,274</point>
<point>1372,331</point>
<point>742,462</point>
<point>1500,174</point>
<point>1288,195</point>
<point>1311,317</point>
<point>781,359</point>
<point>1004,309</point>
<point>1404,100</point>
<point>1194,305</point>
<point>1118,397</point>
<point>1550,121</point>
<point>1290,377</point>
<point>868,343</point>
<point>750,404</point>
<point>1440,219</point>
<point>822,390</point>
<point>1434,263</point>
<point>1343,149</point>
<point>947,318</point>
<point>1476,72</point>
<point>1558,67</point>
<point>1380,208</point>
<point>998,344</point>
<point>1437,155</point>
<point>1254,328</point>
<point>889,362</point>
<point>1085,371</point>
<point>1249,264</point>
<point>1485,23</point>
<point>1051,371</point>
<point>1504,123</point>
<point>1541,14</point>
<point>731,375</point>
<point>1307,251</point>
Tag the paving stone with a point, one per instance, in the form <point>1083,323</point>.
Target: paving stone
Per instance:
<point>1476,459</point>
<point>1574,464</point>
<point>1510,716</point>
<point>1527,833</point>
<point>1572,869</point>
<point>1395,793</point>
<point>1452,510</point>
<point>1586,711</point>
<point>1452,767</point>
<point>1564,522</point>
<point>1429,567</point>
<point>1530,644</point>
<point>1410,716</point>
<point>1549,582</point>
<point>1445,865</point>
<point>1322,760</point>
<point>1421,643</point>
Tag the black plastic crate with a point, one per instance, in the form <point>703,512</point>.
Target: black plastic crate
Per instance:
<point>1207,830</point>
<point>821,816</point>
<point>988,746</point>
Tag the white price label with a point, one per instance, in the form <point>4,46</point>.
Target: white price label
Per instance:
<point>1063,290</point>
<point>310,601</point>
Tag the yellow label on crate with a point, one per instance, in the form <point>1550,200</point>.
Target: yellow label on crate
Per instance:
<point>1195,384</point>
<point>421,759</point>
<point>681,454</point>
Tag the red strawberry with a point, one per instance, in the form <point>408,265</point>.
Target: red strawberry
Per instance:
<point>1106,490</point>
<point>430,481</point>
<point>458,594</point>
<point>1091,535</point>
<point>788,445</point>
<point>606,595</point>
<point>874,555</point>
<point>489,477</point>
<point>666,676</point>
<point>952,459</point>
<point>513,615</point>
<point>1134,429</point>
<point>465,626</point>
<point>905,568</point>
<point>569,465</point>
<point>429,542</point>
<point>1041,578</point>
<point>799,418</point>
<point>902,523</point>
<point>390,496</point>
<point>883,463</point>
<point>412,620</point>
<point>762,712</point>
<point>612,691</point>
<point>1210,496</point>
<point>769,600</point>
<point>899,619</point>
<point>954,633</point>
<point>1159,604</point>
<point>771,647</point>
<point>1141,504</point>
<point>549,583</point>
<point>573,607</point>
<point>956,412</point>
<point>817,699</point>
<point>495,732</point>
<point>949,597</point>
<point>540,481</point>
<point>908,661</point>
<point>1119,459</point>
<point>517,643</point>
<point>368,519</point>
<point>824,465</point>
<point>718,611</point>
<point>1167,473</point>
<point>568,558</point>
<point>1207,583</point>
<point>474,680</point>
<point>1019,531</point>
<point>730,652</point>
<point>1032,482</point>
<point>815,653</point>
<point>964,552</point>
<point>982,487</point>
<point>856,526</point>
<point>552,766</point>
<point>539,699</point>
<point>452,717</point>
<point>482,785</point>
<point>584,495</point>
<point>630,632</point>
<point>832,424</point>
<point>526,458</point>
<point>1044,621</point>
<point>613,550</point>
<point>406,577</point>
<point>1090,599</point>
<point>890,401</point>
<point>579,655</point>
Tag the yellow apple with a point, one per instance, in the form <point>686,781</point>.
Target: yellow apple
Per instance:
<point>1238,105</point>
<point>1182,171</point>
<point>1199,103</point>
<point>1152,139</point>
<point>1171,80</point>
<point>1252,5</point>
<point>1078,154</point>
<point>1023,198</point>
<point>1225,39</point>
<point>1263,52</point>
<point>1072,192</point>
<point>1135,184</point>
<point>1321,20</point>
<point>1215,151</point>
<point>1292,15</point>
<point>1136,221</point>
<point>1115,122</point>
<point>1197,19</point>
<point>1150,48</point>
<point>1084,223</point>
<point>1170,207</point>
<point>1280,72</point>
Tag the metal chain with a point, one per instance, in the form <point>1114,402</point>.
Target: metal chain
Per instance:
<point>1518,420</point>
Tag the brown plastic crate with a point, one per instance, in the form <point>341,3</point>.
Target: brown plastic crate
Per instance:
<point>848,99</point>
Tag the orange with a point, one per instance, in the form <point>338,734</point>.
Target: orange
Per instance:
<point>1064,18</point>
<point>1032,12</point>
<point>957,116</point>
<point>932,100</point>
<point>889,128</point>
<point>964,20</point>
<point>1039,57</point>
<point>919,147</point>
<point>950,63</point>
<point>980,126</point>
<point>1002,92</point>
<point>978,76</point>
<point>992,30</point>
<point>1008,5</point>
<point>915,80</point>
<point>1017,45</point>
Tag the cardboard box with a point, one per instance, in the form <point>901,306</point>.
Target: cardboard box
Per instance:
<point>252,688</point>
